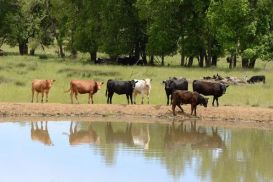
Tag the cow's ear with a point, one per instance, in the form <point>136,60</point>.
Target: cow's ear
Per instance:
<point>135,81</point>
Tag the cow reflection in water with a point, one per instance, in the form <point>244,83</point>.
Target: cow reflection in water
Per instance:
<point>40,134</point>
<point>194,137</point>
<point>83,136</point>
<point>131,136</point>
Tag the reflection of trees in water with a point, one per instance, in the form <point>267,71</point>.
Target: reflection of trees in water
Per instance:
<point>40,133</point>
<point>248,158</point>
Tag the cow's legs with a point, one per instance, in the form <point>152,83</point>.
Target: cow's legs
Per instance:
<point>148,98</point>
<point>213,101</point>
<point>173,108</point>
<point>131,98</point>
<point>142,95</point>
<point>71,96</point>
<point>109,99</point>
<point>47,96</point>
<point>180,108</point>
<point>42,97</point>
<point>76,96</point>
<point>127,96</point>
<point>168,99</point>
<point>193,109</point>
<point>32,95</point>
<point>135,94</point>
<point>90,97</point>
<point>217,101</point>
<point>37,93</point>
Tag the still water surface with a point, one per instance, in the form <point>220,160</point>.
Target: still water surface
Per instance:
<point>118,151</point>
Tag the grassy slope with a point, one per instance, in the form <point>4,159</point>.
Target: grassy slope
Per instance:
<point>16,73</point>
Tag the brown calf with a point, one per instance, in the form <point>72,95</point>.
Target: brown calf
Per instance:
<point>41,86</point>
<point>187,97</point>
<point>84,87</point>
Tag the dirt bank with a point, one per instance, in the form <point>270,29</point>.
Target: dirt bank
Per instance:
<point>226,116</point>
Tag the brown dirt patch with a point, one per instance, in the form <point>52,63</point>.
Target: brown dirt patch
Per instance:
<point>225,116</point>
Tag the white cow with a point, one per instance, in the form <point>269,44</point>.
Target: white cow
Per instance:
<point>142,87</point>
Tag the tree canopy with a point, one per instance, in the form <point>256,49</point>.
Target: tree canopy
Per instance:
<point>143,29</point>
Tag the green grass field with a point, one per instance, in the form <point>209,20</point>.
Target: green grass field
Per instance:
<point>17,72</point>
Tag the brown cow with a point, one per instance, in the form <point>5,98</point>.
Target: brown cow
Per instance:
<point>41,86</point>
<point>84,87</point>
<point>40,133</point>
<point>187,97</point>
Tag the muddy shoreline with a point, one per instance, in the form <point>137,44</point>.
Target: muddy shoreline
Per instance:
<point>224,116</point>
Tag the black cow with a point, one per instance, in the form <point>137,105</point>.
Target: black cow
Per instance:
<point>126,60</point>
<point>120,87</point>
<point>258,78</point>
<point>209,88</point>
<point>173,84</point>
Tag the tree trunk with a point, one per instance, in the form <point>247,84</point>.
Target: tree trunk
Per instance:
<point>214,60</point>
<point>182,60</point>
<point>152,60</point>
<point>245,62</point>
<point>61,50</point>
<point>162,61</point>
<point>252,63</point>
<point>93,56</point>
<point>190,62</point>
<point>201,58</point>
<point>208,60</point>
<point>73,53</point>
<point>32,52</point>
<point>234,61</point>
<point>23,48</point>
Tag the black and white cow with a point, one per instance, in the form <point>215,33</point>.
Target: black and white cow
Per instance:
<point>120,87</point>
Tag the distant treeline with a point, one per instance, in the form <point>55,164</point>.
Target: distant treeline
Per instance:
<point>143,29</point>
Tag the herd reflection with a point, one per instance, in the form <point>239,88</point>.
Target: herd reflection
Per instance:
<point>176,146</point>
<point>133,135</point>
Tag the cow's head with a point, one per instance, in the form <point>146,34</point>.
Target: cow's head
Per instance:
<point>168,84</point>
<point>224,87</point>
<point>147,82</point>
<point>205,102</point>
<point>99,85</point>
<point>49,83</point>
<point>132,83</point>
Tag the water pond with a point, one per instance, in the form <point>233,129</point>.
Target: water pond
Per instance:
<point>118,151</point>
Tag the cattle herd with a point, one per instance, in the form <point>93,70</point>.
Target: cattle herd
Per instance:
<point>176,89</point>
